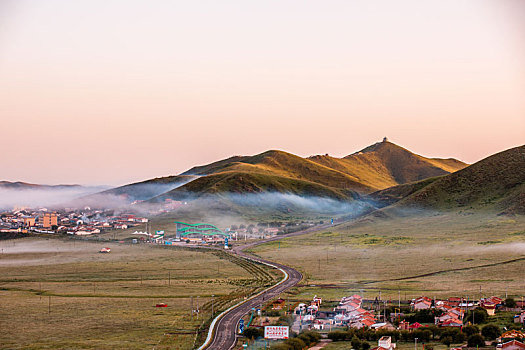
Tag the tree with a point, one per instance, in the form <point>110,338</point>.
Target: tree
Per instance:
<point>491,331</point>
<point>460,337</point>
<point>365,345</point>
<point>476,340</point>
<point>356,343</point>
<point>295,343</point>
<point>509,302</point>
<point>470,329</point>
<point>253,333</point>
<point>447,340</point>
<point>480,316</point>
<point>337,336</point>
<point>309,337</point>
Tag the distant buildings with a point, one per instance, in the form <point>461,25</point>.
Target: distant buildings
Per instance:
<point>48,220</point>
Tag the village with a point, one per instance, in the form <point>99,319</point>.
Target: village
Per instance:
<point>96,222</point>
<point>456,322</point>
<point>80,222</point>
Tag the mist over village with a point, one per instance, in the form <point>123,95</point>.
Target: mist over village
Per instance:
<point>262,175</point>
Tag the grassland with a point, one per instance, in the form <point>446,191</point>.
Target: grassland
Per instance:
<point>433,254</point>
<point>62,294</point>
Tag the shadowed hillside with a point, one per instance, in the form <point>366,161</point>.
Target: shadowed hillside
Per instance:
<point>496,182</point>
<point>252,183</point>
<point>147,189</point>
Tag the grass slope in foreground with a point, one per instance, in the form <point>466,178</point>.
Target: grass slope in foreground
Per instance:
<point>57,294</point>
<point>389,253</point>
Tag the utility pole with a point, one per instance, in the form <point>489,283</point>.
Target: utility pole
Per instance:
<point>479,293</point>
<point>198,311</point>
<point>212,305</point>
<point>415,343</point>
<point>49,305</point>
<point>399,296</point>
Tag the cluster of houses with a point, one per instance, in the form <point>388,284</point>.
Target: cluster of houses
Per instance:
<point>70,221</point>
<point>454,308</point>
<point>351,313</point>
<point>348,313</point>
<point>511,340</point>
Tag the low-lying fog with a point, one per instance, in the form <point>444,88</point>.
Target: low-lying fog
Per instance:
<point>42,197</point>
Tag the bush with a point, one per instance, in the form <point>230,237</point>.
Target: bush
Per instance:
<point>337,336</point>
<point>356,343</point>
<point>423,335</point>
<point>491,331</point>
<point>480,316</point>
<point>424,316</point>
<point>295,344</point>
<point>509,302</point>
<point>253,333</point>
<point>476,340</point>
<point>471,329</point>
<point>309,337</point>
<point>447,340</point>
<point>365,345</point>
<point>272,313</point>
<point>460,337</point>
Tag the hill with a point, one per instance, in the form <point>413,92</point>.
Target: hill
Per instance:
<point>379,166</point>
<point>394,194</point>
<point>283,164</point>
<point>385,164</point>
<point>19,185</point>
<point>496,182</point>
<point>245,183</point>
<point>145,190</point>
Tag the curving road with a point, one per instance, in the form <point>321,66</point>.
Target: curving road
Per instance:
<point>224,337</point>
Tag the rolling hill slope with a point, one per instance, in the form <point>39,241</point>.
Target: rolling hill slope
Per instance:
<point>385,164</point>
<point>235,182</point>
<point>379,166</point>
<point>496,182</point>
<point>145,190</point>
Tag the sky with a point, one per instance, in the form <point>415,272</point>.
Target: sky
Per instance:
<point>115,91</point>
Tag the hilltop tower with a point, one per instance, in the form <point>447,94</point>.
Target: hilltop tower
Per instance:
<point>385,139</point>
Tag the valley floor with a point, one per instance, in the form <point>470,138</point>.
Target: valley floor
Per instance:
<point>64,294</point>
<point>432,254</point>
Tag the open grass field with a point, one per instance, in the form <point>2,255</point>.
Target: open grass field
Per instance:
<point>64,294</point>
<point>433,254</point>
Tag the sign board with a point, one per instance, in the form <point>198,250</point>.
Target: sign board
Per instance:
<point>226,241</point>
<point>276,332</point>
<point>241,326</point>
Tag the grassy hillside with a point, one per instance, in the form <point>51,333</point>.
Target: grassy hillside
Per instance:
<point>400,165</point>
<point>496,182</point>
<point>284,164</point>
<point>394,194</point>
<point>376,167</point>
<point>147,189</point>
<point>252,183</point>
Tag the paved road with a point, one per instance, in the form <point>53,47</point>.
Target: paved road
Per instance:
<point>226,327</point>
